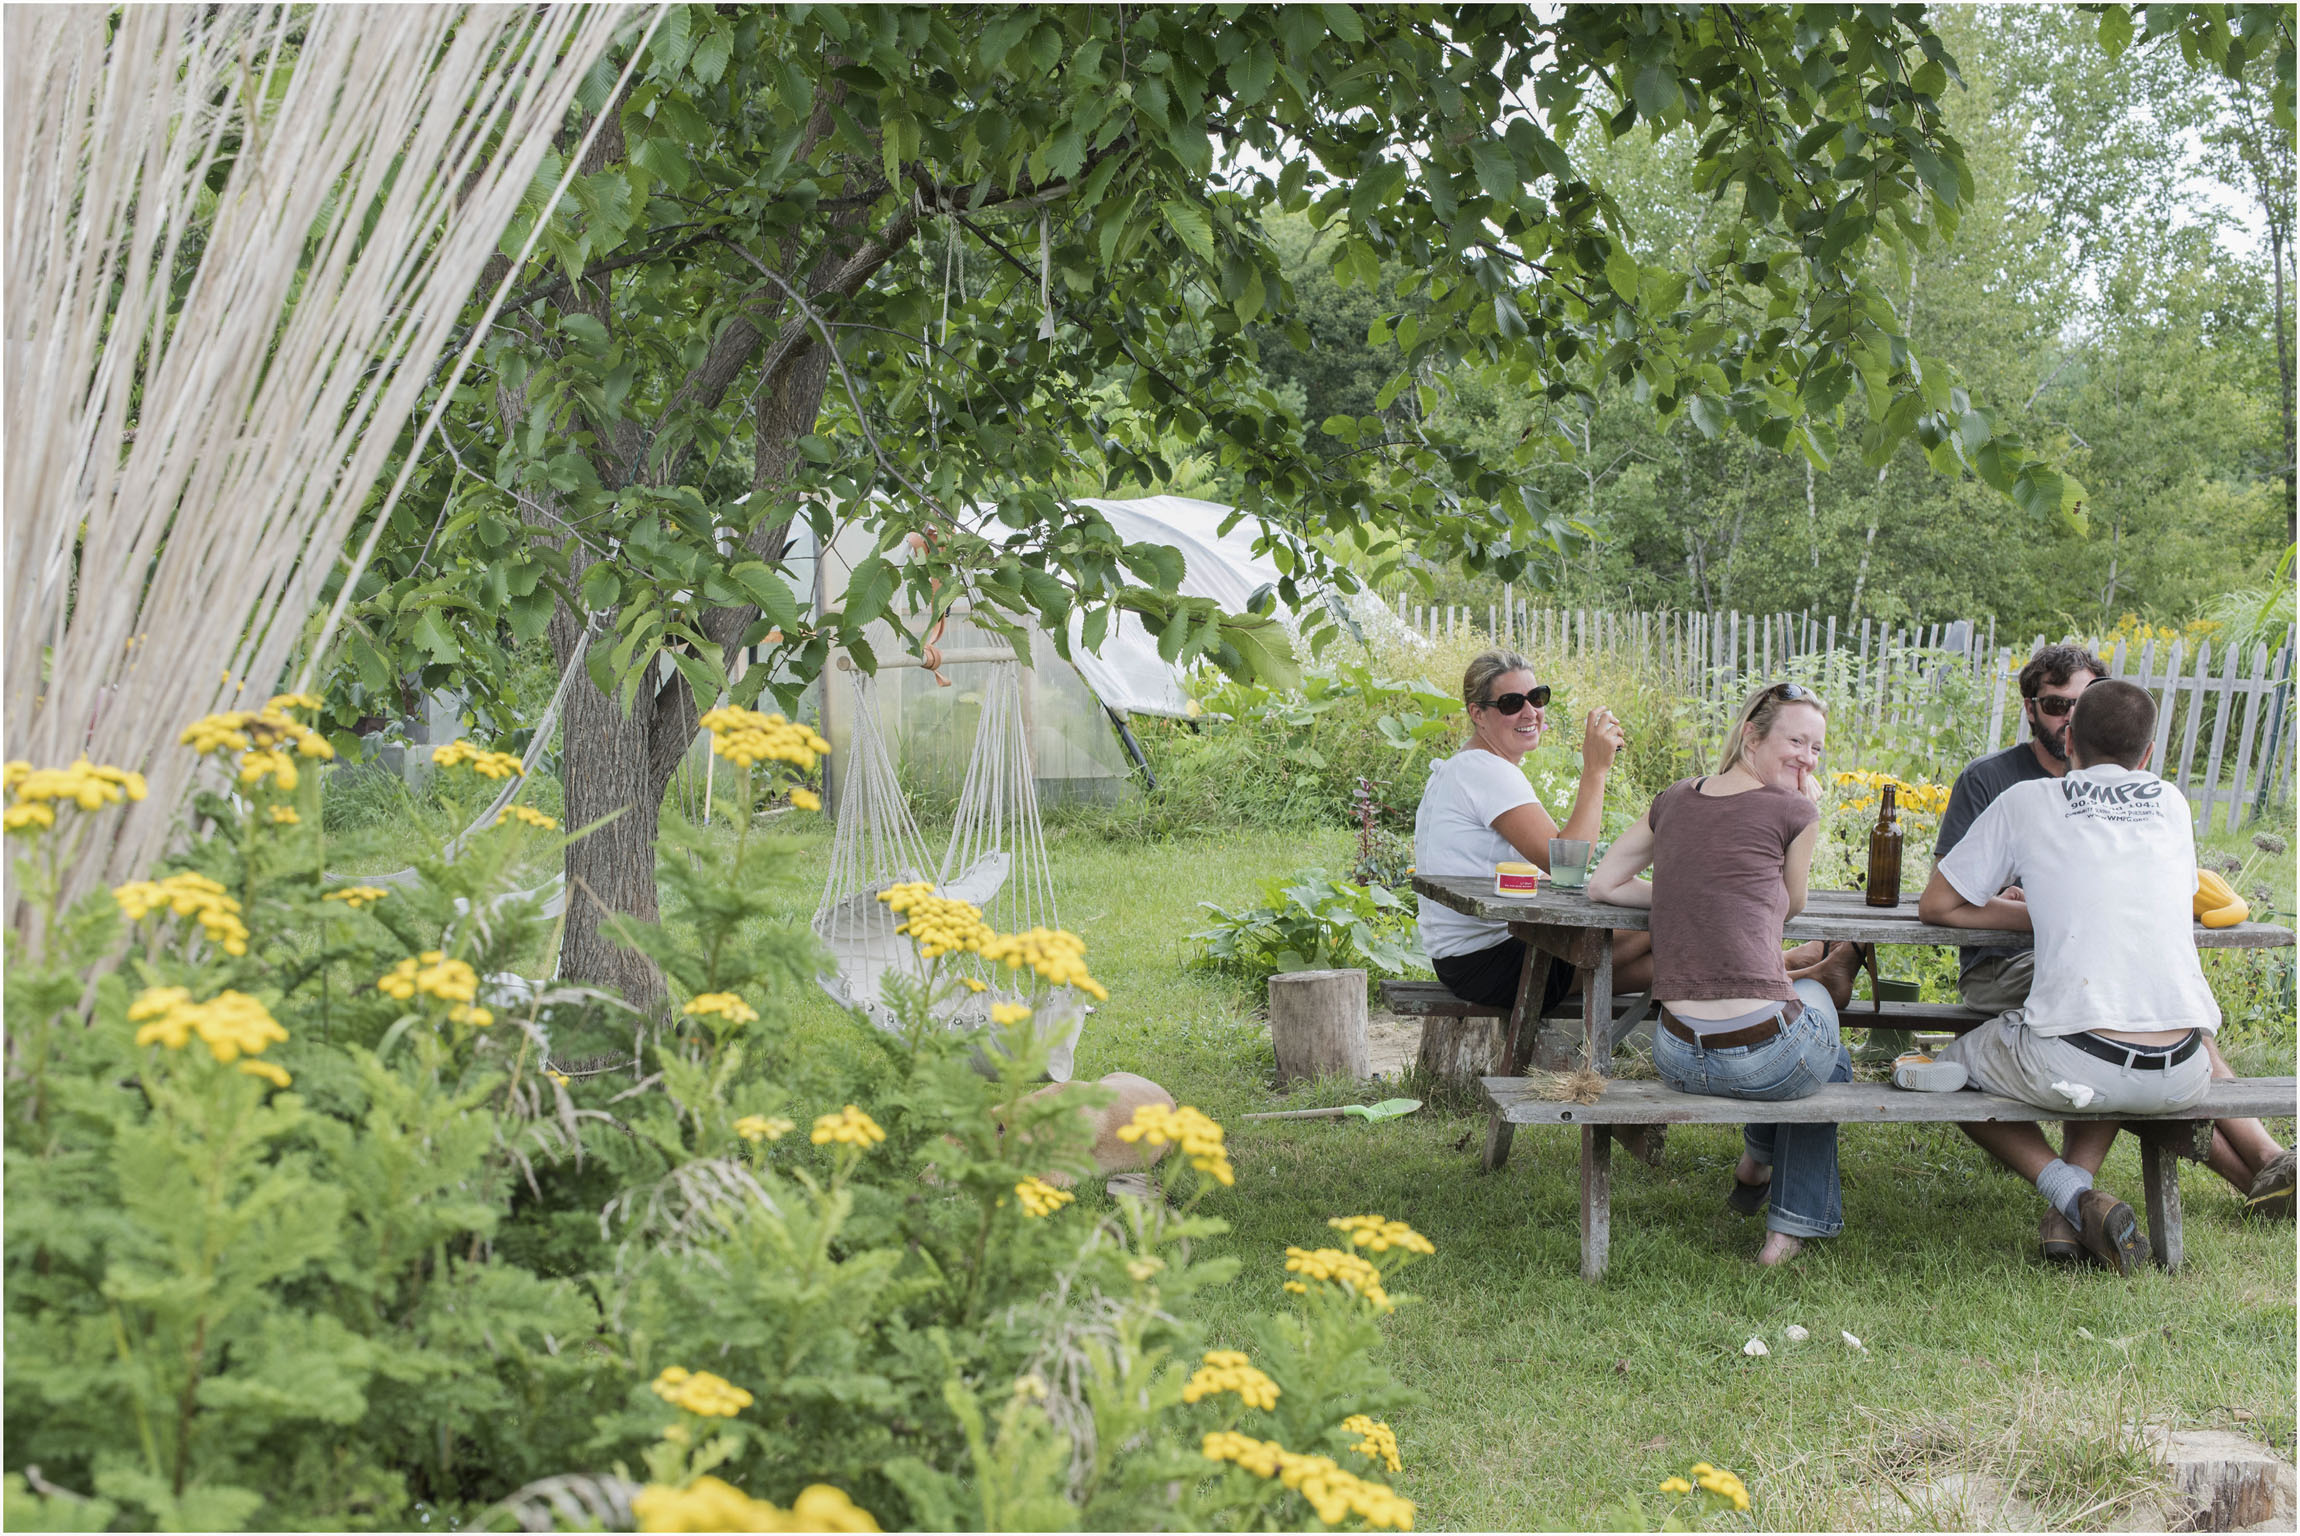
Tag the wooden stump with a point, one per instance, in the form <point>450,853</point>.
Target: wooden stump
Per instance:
<point>2224,1481</point>
<point>1461,1050</point>
<point>1318,1024</point>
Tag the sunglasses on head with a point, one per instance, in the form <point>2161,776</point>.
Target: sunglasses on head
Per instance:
<point>1514,703</point>
<point>1795,693</point>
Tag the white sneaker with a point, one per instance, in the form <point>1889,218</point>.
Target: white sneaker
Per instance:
<point>1921,1074</point>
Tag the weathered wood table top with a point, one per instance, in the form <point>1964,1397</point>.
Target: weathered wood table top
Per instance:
<point>1827,915</point>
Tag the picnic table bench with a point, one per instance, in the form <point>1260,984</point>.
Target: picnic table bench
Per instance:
<point>1566,927</point>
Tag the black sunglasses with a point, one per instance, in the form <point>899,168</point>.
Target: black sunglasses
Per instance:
<point>1514,703</point>
<point>1795,693</point>
<point>2053,706</point>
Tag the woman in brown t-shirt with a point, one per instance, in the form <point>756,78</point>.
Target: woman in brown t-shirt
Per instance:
<point>1730,852</point>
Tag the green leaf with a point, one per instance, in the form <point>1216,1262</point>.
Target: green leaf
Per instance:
<point>1496,171</point>
<point>431,635</point>
<point>1622,274</point>
<point>703,676</point>
<point>1261,642</point>
<point>1656,94</point>
<point>531,612</point>
<point>601,588</point>
<point>712,53</point>
<point>1190,225</point>
<point>588,332</point>
<point>768,591</point>
<point>1251,75</point>
<point>2115,30</point>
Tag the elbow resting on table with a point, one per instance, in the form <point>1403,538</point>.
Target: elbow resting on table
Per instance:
<point>1939,904</point>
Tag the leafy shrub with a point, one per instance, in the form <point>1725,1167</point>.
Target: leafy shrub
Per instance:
<point>321,1217</point>
<point>1379,715</point>
<point>1310,922</point>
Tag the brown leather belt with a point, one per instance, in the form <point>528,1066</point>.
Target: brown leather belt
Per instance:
<point>1756,1034</point>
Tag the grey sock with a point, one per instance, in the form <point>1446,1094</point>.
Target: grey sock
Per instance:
<point>2063,1184</point>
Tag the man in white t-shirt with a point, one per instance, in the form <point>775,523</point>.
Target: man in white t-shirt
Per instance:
<point>2117,1015</point>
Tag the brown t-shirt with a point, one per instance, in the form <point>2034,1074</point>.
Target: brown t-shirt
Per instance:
<point>1718,898</point>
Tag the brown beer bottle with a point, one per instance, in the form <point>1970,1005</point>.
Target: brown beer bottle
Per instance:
<point>1885,855</point>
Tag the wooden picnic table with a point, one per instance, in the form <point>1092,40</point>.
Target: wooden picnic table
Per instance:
<point>1566,927</point>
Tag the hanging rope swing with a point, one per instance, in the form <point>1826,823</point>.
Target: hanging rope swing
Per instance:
<point>996,858</point>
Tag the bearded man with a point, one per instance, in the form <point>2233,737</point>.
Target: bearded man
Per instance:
<point>1998,979</point>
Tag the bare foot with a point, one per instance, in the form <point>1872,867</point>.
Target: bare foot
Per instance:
<point>1751,1171</point>
<point>1835,973</point>
<point>1810,953</point>
<point>1779,1249</point>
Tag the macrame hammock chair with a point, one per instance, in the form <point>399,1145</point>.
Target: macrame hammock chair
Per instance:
<point>996,860</point>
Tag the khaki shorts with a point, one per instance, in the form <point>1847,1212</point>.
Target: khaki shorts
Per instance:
<point>2005,1056</point>
<point>1999,984</point>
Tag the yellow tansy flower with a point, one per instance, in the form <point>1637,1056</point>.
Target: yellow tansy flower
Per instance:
<point>725,1004</point>
<point>1347,1270</point>
<point>463,754</point>
<point>1380,1442</point>
<point>1375,1234</point>
<point>744,737</point>
<point>1333,1493</point>
<point>187,894</point>
<point>231,1024</point>
<point>849,1127</point>
<point>700,1392</point>
<point>1199,1138</point>
<point>1227,1370</point>
<point>432,974</point>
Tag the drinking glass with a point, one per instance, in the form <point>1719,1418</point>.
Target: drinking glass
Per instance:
<point>1569,862</point>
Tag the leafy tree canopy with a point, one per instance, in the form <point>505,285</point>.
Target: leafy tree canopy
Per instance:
<point>960,221</point>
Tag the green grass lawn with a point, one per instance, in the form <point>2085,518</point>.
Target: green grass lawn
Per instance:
<point>1548,1400</point>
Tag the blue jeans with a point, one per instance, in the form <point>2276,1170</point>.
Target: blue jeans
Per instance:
<point>1806,1201</point>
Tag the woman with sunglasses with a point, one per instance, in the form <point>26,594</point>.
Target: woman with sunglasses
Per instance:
<point>1478,811</point>
<point>1730,852</point>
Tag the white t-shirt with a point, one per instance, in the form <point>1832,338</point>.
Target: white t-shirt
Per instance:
<point>1454,835</point>
<point>2108,860</point>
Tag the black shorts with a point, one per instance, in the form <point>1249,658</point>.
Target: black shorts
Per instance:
<point>1489,976</point>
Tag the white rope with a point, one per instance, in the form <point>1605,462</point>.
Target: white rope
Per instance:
<point>875,844</point>
<point>1045,270</point>
<point>266,394</point>
<point>996,859</point>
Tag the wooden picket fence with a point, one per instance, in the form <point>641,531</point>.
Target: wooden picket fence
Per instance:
<point>2237,707</point>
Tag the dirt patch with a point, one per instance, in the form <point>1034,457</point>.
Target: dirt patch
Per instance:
<point>1392,1043</point>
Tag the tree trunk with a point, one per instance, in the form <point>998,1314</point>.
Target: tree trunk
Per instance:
<point>605,767</point>
<point>1812,516</point>
<point>2276,246</point>
<point>1868,543</point>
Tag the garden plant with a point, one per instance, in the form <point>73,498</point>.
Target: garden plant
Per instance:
<point>385,1230</point>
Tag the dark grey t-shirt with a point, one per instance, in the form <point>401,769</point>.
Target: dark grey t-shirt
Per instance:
<point>1977,787</point>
